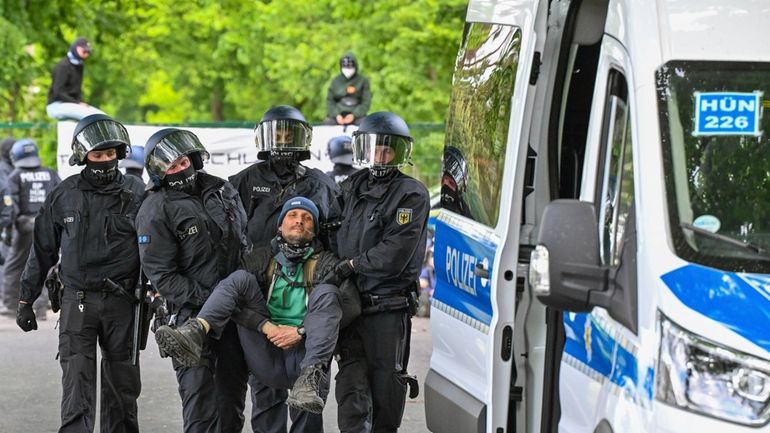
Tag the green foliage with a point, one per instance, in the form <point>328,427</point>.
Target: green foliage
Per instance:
<point>230,60</point>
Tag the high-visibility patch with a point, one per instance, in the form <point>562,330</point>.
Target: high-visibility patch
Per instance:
<point>403,215</point>
<point>7,200</point>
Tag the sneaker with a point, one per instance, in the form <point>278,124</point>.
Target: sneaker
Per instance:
<point>305,394</point>
<point>184,343</point>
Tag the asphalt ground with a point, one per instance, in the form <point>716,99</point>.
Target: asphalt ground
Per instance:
<point>30,383</point>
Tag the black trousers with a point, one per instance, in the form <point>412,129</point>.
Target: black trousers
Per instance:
<point>214,393</point>
<point>370,391</point>
<point>16,260</point>
<point>106,319</point>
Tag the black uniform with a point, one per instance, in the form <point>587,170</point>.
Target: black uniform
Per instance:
<point>94,227</point>
<point>340,172</point>
<point>66,82</point>
<point>26,191</point>
<point>385,235</point>
<point>263,188</point>
<point>187,244</point>
<point>5,170</point>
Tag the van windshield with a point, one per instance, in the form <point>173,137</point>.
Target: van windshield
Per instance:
<point>717,161</point>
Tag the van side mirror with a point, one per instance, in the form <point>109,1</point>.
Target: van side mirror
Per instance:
<point>564,266</point>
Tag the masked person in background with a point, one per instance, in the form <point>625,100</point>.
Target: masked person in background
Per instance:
<point>191,230</point>
<point>89,219</point>
<point>65,96</point>
<point>283,142</point>
<point>28,186</point>
<point>383,245</point>
<point>349,96</point>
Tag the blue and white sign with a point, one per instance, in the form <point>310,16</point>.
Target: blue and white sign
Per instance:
<point>728,113</point>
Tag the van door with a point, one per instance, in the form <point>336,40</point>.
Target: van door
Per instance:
<point>468,387</point>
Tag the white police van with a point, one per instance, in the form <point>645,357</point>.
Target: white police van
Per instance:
<point>603,254</point>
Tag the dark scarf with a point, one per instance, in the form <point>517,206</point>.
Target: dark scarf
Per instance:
<point>101,173</point>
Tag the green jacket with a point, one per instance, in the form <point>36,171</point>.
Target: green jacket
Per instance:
<point>348,96</point>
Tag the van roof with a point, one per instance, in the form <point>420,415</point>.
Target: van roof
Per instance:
<point>733,30</point>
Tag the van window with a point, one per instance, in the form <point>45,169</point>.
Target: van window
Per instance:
<point>477,123</point>
<point>617,186</point>
<point>714,135</point>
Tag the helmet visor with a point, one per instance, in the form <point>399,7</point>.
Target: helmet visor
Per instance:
<point>103,134</point>
<point>381,150</point>
<point>171,148</point>
<point>283,134</point>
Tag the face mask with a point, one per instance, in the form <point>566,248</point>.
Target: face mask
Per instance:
<point>183,180</point>
<point>348,72</point>
<point>101,173</point>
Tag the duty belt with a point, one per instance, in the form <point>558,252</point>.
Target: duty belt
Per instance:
<point>371,304</point>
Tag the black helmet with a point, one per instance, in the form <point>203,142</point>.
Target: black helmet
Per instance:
<point>98,132</point>
<point>135,160</point>
<point>340,150</point>
<point>24,154</point>
<point>5,148</point>
<point>382,132</point>
<point>456,167</point>
<point>283,129</point>
<point>166,146</point>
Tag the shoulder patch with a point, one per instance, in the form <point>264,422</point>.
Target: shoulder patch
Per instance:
<point>403,215</point>
<point>143,239</point>
<point>7,200</point>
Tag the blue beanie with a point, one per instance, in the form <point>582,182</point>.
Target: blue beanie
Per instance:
<point>300,202</point>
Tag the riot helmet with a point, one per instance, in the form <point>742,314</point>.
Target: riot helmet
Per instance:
<point>382,143</point>
<point>98,132</point>
<point>164,147</point>
<point>24,154</point>
<point>283,132</point>
<point>455,167</point>
<point>135,160</point>
<point>340,150</point>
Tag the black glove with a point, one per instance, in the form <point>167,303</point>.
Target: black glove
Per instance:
<point>25,317</point>
<point>342,270</point>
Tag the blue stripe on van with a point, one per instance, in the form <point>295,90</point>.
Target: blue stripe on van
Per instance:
<point>603,358</point>
<point>455,256</point>
<point>741,302</point>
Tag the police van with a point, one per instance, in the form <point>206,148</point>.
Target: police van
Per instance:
<point>603,251</point>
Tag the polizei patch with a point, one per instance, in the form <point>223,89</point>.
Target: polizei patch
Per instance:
<point>403,215</point>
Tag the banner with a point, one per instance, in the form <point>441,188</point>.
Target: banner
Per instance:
<point>231,149</point>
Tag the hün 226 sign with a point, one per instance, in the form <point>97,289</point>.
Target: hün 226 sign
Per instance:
<point>728,113</point>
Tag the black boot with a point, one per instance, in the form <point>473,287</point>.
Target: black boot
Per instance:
<point>184,343</point>
<point>305,394</point>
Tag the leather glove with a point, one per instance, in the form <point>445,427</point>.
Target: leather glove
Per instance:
<point>342,270</point>
<point>25,317</point>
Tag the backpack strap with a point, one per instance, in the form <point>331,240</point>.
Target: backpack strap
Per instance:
<point>308,269</point>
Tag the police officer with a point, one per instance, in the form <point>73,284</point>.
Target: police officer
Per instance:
<point>7,303</point>
<point>191,229</point>
<point>349,96</point>
<point>283,142</point>
<point>134,164</point>
<point>454,180</point>
<point>89,217</point>
<point>340,150</point>
<point>383,244</point>
<point>28,186</point>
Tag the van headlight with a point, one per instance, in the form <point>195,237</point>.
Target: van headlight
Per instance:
<point>704,377</point>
